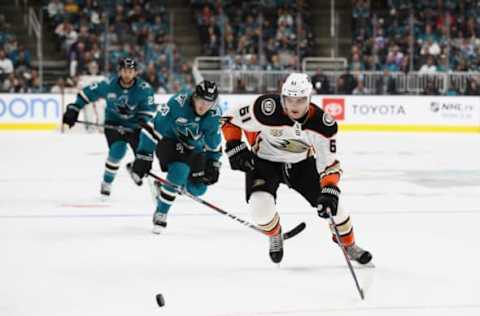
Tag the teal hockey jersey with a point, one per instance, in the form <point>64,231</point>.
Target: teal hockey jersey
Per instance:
<point>127,107</point>
<point>177,120</point>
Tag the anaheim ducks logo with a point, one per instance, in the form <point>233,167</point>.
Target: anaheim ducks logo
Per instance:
<point>291,145</point>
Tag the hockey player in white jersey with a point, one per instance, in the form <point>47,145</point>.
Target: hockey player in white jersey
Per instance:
<point>292,141</point>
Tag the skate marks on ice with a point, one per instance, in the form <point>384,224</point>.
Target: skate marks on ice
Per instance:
<point>393,310</point>
<point>441,178</point>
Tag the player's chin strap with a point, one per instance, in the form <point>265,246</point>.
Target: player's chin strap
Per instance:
<point>289,234</point>
<point>119,128</point>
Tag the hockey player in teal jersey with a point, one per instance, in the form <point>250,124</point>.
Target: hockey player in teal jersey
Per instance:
<point>185,134</point>
<point>129,104</point>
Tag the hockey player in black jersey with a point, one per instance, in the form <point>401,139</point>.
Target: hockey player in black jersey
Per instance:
<point>292,141</point>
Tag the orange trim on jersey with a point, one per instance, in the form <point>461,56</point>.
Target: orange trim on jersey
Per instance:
<point>331,179</point>
<point>312,110</point>
<point>251,137</point>
<point>231,132</point>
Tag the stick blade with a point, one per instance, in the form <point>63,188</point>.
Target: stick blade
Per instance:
<point>294,231</point>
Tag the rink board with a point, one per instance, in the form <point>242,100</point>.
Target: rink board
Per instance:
<point>353,113</point>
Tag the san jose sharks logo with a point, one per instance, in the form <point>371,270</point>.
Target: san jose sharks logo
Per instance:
<point>124,109</point>
<point>186,130</point>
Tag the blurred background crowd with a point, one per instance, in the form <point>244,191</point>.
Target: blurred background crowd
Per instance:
<point>391,39</point>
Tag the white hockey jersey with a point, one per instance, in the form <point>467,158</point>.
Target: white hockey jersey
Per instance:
<point>274,136</point>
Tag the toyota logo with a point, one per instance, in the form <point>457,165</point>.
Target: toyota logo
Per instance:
<point>334,109</point>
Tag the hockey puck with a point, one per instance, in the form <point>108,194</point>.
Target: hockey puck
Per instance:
<point>160,300</point>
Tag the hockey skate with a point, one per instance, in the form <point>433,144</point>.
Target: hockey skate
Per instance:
<point>358,254</point>
<point>159,223</point>
<point>276,247</point>
<point>106,189</point>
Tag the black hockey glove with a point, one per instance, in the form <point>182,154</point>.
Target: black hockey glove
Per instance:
<point>212,172</point>
<point>71,115</point>
<point>240,157</point>
<point>328,198</point>
<point>197,176</point>
<point>141,166</point>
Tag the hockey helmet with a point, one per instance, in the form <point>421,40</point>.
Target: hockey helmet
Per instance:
<point>297,85</point>
<point>207,90</point>
<point>127,62</point>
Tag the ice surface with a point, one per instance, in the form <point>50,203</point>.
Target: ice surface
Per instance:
<point>414,200</point>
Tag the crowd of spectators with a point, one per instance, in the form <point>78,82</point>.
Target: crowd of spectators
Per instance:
<point>16,72</point>
<point>86,30</point>
<point>390,37</point>
<point>255,35</point>
<point>426,36</point>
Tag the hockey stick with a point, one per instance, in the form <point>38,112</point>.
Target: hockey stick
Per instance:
<point>287,235</point>
<point>118,128</point>
<point>344,251</point>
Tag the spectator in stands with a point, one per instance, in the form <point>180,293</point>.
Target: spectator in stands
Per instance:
<point>385,85</point>
<point>320,82</point>
<point>92,68</point>
<point>430,88</point>
<point>443,64</point>
<point>360,88</point>
<point>253,63</point>
<point>405,65</point>
<point>429,35</point>
<point>76,57</point>
<point>58,87</point>
<point>66,34</point>
<point>430,48</point>
<point>391,63</point>
<point>11,48</point>
<point>33,84</point>
<point>6,65</point>
<point>151,77</point>
<point>346,83</point>
<point>280,33</point>
<point>357,64</point>
<point>429,67</point>
<point>15,84</point>
<point>473,87</point>
<point>55,9</point>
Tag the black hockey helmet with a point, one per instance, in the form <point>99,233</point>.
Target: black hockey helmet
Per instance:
<point>207,90</point>
<point>127,62</point>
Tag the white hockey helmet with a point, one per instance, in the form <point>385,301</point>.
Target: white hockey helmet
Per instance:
<point>297,85</point>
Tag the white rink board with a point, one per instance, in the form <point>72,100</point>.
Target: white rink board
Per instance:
<point>427,110</point>
<point>44,111</point>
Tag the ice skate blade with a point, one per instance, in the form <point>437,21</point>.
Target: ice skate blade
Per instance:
<point>104,198</point>
<point>158,230</point>
<point>369,265</point>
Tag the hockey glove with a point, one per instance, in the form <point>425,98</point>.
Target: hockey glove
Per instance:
<point>240,157</point>
<point>71,115</point>
<point>212,172</point>
<point>197,176</point>
<point>328,198</point>
<point>141,166</point>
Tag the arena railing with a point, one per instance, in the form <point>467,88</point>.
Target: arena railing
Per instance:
<point>414,83</point>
